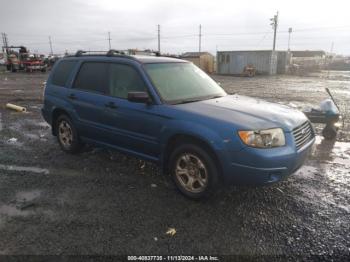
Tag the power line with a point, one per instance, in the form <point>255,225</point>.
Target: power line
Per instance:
<point>262,40</point>
<point>207,34</point>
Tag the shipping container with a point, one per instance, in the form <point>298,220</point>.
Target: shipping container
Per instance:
<point>233,62</point>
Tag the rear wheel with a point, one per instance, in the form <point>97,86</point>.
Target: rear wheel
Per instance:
<point>67,135</point>
<point>193,171</point>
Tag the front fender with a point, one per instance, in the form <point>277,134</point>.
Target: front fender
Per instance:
<point>199,131</point>
<point>221,144</point>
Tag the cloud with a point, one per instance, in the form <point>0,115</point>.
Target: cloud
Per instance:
<point>226,25</point>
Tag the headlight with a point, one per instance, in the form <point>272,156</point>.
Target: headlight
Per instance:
<point>263,138</point>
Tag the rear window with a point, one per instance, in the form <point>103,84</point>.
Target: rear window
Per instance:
<point>93,77</point>
<point>62,71</point>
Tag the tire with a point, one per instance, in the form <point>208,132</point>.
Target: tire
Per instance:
<point>67,135</point>
<point>191,163</point>
<point>329,132</point>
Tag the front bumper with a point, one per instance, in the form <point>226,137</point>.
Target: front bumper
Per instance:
<point>265,166</point>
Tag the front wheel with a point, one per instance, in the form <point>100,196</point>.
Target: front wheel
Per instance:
<point>194,171</point>
<point>67,135</point>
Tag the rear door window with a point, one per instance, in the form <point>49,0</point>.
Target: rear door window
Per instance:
<point>62,72</point>
<point>93,77</point>
<point>124,79</point>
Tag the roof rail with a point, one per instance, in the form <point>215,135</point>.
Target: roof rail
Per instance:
<point>82,52</point>
<point>109,53</point>
<point>121,54</point>
<point>144,52</point>
<point>113,51</point>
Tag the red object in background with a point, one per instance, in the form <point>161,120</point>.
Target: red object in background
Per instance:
<point>23,60</point>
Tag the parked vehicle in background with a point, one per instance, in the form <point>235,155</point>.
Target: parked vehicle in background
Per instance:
<point>249,70</point>
<point>168,111</point>
<point>23,60</point>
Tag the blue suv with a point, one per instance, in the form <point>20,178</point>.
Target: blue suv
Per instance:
<point>168,111</point>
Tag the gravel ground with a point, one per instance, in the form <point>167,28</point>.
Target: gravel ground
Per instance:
<point>104,203</point>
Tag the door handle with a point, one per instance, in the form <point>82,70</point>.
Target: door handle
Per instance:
<point>111,105</point>
<point>72,96</point>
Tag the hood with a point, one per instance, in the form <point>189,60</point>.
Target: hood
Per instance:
<point>247,113</point>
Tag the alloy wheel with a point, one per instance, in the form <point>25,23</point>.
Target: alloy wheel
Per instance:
<point>191,173</point>
<point>65,134</point>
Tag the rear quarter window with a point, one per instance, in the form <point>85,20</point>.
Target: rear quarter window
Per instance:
<point>62,72</point>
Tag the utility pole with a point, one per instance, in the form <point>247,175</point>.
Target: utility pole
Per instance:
<point>109,40</point>
<point>50,42</point>
<point>5,46</point>
<point>274,24</point>
<point>4,41</point>
<point>200,38</point>
<point>159,39</point>
<point>289,33</point>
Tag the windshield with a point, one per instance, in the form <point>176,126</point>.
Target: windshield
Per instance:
<point>182,82</point>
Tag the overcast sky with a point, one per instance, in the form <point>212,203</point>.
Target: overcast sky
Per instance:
<point>226,25</point>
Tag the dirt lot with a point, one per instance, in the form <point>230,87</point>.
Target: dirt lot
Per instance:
<point>102,202</point>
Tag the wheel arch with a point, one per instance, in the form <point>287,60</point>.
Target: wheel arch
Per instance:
<point>55,114</point>
<point>181,138</point>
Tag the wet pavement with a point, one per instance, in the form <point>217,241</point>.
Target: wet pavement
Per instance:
<point>103,202</point>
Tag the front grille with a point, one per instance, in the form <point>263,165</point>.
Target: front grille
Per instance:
<point>303,134</point>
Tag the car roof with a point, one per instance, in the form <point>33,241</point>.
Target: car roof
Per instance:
<point>143,59</point>
<point>158,59</point>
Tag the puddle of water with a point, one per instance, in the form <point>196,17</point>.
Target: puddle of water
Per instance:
<point>32,136</point>
<point>24,204</point>
<point>25,169</point>
<point>42,124</point>
<point>25,124</point>
<point>307,172</point>
<point>13,211</point>
<point>27,195</point>
<point>334,158</point>
<point>331,161</point>
<point>331,151</point>
<point>13,142</point>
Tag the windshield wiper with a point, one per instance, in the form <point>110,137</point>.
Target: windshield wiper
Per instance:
<point>188,101</point>
<point>217,96</point>
<point>185,101</point>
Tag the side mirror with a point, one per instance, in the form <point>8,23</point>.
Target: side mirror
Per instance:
<point>139,97</point>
